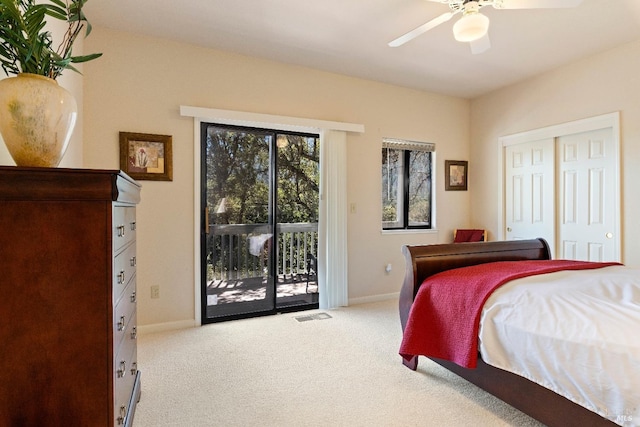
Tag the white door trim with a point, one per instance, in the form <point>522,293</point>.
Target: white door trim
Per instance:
<point>610,120</point>
<point>242,118</point>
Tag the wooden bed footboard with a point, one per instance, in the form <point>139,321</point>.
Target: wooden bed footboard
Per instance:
<point>534,400</point>
<point>425,261</point>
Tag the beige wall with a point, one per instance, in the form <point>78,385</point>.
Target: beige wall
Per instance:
<point>597,85</point>
<point>139,85</point>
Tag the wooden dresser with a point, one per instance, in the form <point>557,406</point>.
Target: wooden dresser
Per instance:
<point>67,297</point>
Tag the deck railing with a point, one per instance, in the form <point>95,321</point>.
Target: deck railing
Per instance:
<point>240,251</point>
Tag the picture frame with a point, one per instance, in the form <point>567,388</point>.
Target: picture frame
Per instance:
<point>146,156</point>
<point>455,175</point>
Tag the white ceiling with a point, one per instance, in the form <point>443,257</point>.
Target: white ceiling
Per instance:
<point>350,36</point>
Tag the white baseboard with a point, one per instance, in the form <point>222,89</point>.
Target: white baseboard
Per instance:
<point>374,298</point>
<point>185,324</point>
<point>163,327</point>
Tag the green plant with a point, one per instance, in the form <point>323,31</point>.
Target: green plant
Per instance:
<point>27,47</point>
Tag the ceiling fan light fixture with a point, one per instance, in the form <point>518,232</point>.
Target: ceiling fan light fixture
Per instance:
<point>470,27</point>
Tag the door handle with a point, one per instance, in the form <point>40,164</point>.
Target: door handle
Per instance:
<point>206,220</point>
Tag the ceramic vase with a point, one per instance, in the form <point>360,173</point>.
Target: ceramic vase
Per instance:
<point>37,117</point>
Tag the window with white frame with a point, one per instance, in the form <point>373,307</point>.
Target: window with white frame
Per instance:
<point>407,170</point>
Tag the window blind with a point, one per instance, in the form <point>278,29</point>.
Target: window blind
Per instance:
<point>403,144</point>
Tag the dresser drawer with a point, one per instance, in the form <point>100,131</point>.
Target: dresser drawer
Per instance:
<point>123,390</point>
<point>124,268</point>
<point>124,226</point>
<point>123,314</point>
<point>125,369</point>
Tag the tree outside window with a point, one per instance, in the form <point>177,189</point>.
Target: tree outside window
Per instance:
<point>406,184</point>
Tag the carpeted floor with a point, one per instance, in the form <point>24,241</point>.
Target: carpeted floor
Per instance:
<point>277,371</point>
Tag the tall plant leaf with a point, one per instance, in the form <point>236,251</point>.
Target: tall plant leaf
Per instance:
<point>27,46</point>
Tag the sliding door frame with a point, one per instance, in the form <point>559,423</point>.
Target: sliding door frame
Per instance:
<point>285,123</point>
<point>276,305</point>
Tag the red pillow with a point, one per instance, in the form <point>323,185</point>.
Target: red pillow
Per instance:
<point>469,236</point>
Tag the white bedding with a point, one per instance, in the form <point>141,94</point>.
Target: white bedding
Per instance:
<point>574,332</point>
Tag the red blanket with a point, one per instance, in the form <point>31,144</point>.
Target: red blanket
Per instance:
<point>445,316</point>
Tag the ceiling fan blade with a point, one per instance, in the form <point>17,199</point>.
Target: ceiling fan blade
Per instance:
<point>421,29</point>
<point>536,4</point>
<point>481,45</point>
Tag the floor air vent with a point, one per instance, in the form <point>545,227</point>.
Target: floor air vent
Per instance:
<point>316,316</point>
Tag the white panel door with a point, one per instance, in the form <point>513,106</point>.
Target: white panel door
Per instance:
<point>587,168</point>
<point>529,188</point>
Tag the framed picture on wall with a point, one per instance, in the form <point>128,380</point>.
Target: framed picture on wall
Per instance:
<point>146,156</point>
<point>455,175</point>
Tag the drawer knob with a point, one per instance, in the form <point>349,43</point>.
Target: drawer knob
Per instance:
<point>133,296</point>
<point>134,333</point>
<point>121,323</point>
<point>123,367</point>
<point>134,368</point>
<point>132,225</point>
<point>123,415</point>
<point>120,229</point>
<point>121,277</point>
<point>133,261</point>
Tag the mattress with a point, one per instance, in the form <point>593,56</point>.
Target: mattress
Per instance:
<point>574,332</point>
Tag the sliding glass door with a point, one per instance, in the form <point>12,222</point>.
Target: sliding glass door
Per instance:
<point>260,221</point>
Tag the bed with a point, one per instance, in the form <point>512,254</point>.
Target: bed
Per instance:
<point>539,402</point>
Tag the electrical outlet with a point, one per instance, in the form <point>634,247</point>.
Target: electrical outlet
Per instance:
<point>155,291</point>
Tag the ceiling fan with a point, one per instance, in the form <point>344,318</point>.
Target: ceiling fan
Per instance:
<point>473,26</point>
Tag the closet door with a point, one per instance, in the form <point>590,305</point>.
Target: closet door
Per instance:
<point>587,195</point>
<point>529,176</point>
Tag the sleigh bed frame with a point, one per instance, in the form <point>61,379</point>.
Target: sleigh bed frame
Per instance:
<point>534,400</point>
